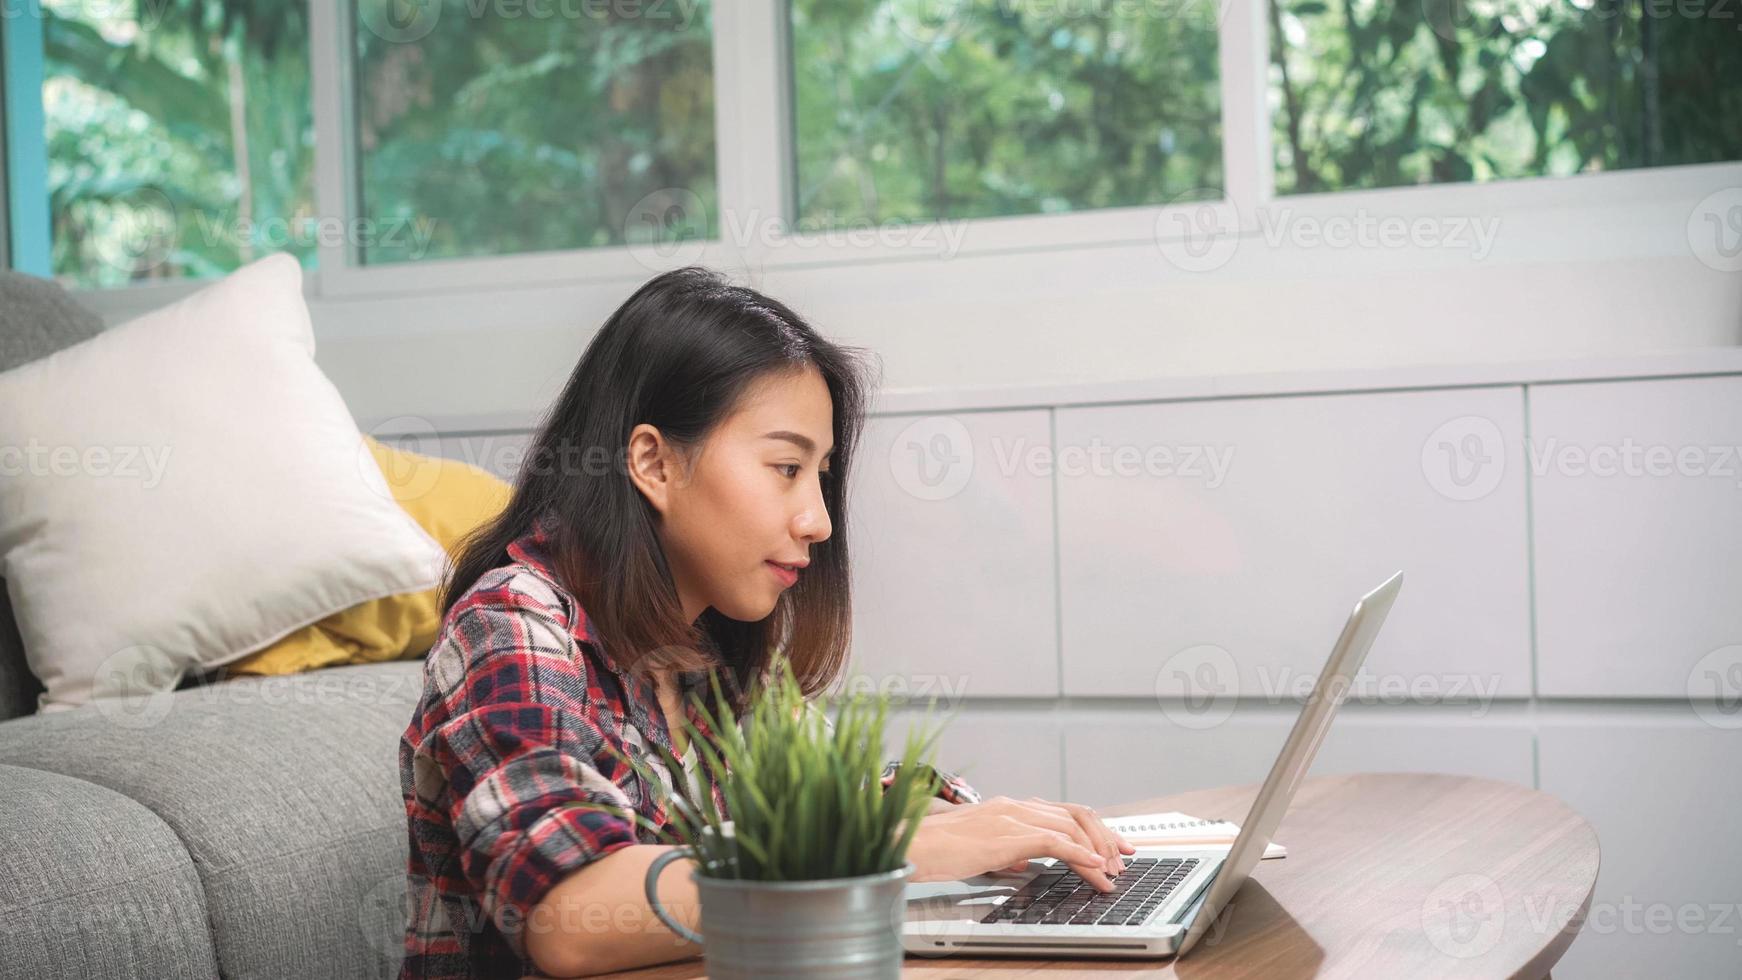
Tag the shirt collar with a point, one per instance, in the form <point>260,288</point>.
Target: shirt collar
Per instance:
<point>535,550</point>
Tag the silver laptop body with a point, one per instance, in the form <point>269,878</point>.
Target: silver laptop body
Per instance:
<point>1169,896</point>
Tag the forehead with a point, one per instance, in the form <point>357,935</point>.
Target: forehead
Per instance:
<point>795,401</point>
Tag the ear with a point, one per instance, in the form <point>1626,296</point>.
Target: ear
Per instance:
<point>653,467</point>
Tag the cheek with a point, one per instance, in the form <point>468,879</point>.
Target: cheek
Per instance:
<point>732,521</point>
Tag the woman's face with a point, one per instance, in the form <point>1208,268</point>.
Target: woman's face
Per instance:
<point>749,497</point>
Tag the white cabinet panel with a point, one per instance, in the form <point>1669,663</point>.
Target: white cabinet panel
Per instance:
<point>1637,501</point>
<point>1122,760</point>
<point>1219,545</point>
<point>1665,797</point>
<point>953,557</point>
<point>1128,759</point>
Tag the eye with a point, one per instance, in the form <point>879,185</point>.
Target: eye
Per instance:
<point>783,467</point>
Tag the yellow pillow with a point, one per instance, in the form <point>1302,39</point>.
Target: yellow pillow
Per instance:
<point>449,499</point>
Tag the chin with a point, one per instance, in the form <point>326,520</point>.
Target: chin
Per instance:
<point>748,612</point>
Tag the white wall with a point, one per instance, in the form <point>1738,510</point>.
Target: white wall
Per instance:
<point>1606,264</point>
<point>1116,631</point>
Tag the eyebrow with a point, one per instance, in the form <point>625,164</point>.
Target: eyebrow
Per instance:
<point>803,442</point>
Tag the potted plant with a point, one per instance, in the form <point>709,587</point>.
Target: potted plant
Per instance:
<point>802,872</point>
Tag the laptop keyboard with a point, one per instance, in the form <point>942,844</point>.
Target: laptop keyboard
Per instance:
<point>1059,896</point>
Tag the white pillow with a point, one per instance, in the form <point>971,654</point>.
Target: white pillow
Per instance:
<point>186,488</point>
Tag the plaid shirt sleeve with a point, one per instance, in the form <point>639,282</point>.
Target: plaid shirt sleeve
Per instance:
<point>520,747</point>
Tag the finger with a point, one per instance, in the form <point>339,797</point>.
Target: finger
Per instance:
<point>1036,843</point>
<point>1068,843</point>
<point>1105,840</point>
<point>1095,874</point>
<point>1081,859</point>
<point>1125,846</point>
<point>1119,840</point>
<point>1115,843</point>
<point>1055,817</point>
<point>1098,835</point>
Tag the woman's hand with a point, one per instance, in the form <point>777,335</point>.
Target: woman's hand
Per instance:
<point>1002,834</point>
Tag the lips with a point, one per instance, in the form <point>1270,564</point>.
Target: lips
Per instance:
<point>786,574</point>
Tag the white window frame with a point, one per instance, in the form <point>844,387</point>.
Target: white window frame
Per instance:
<point>755,178</point>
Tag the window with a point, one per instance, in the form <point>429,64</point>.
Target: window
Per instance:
<point>925,109</point>
<point>500,128</point>
<point>178,137</point>
<point>1369,93</point>
<point>151,140</point>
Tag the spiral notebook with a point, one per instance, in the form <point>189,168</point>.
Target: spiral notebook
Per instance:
<point>1176,829</point>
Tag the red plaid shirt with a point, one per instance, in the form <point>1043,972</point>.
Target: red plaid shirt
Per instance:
<point>519,705</point>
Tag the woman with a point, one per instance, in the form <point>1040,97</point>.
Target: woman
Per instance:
<point>683,506</point>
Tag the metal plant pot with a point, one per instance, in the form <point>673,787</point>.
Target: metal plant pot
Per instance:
<point>830,929</point>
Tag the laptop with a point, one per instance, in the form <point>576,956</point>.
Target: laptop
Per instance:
<point>1167,897</point>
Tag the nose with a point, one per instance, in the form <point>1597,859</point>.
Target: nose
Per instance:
<point>812,523</point>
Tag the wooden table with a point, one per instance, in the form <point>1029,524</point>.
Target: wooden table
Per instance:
<point>1387,875</point>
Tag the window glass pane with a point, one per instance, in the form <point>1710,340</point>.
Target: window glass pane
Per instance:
<point>1370,93</point>
<point>923,109</point>
<point>179,137</point>
<point>497,128</point>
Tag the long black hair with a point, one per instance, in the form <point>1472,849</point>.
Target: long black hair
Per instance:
<point>679,355</point>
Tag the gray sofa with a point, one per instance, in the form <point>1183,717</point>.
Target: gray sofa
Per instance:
<point>236,828</point>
